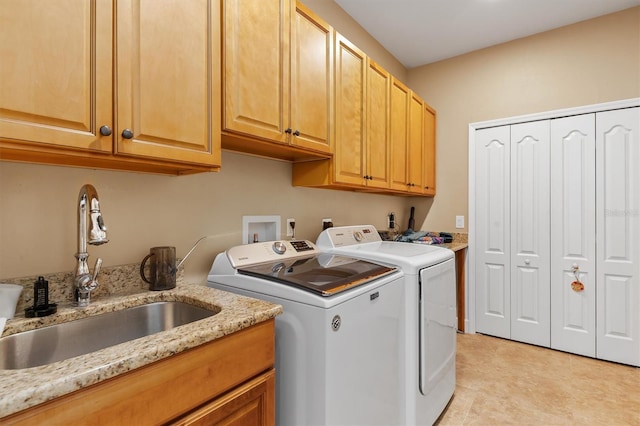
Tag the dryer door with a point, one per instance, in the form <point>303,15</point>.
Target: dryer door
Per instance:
<point>437,324</point>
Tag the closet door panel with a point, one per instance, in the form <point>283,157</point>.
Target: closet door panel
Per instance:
<point>530,298</point>
<point>493,290</point>
<point>618,230</point>
<point>573,319</point>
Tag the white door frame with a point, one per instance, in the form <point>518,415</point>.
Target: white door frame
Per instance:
<point>470,290</point>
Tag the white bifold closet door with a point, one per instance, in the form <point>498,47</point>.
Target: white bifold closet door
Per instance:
<point>493,255</point>
<point>530,255</point>
<point>618,235</point>
<point>573,236</point>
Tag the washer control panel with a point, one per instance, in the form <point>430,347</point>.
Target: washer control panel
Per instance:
<point>347,236</point>
<point>267,251</point>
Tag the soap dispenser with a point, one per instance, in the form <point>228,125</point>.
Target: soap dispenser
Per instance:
<point>41,306</point>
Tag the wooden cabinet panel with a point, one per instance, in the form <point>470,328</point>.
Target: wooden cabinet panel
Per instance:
<point>429,162</point>
<point>399,134</point>
<point>56,73</point>
<point>168,79</point>
<point>278,79</point>
<point>415,144</point>
<point>351,71</point>
<point>311,80</point>
<point>256,67</point>
<point>377,134</point>
<point>250,404</point>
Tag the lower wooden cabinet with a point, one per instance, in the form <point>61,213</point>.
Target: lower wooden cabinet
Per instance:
<point>230,380</point>
<point>250,404</point>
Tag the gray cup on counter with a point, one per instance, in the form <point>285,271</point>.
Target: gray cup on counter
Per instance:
<point>162,268</point>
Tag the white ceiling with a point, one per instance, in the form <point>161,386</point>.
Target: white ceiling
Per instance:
<point>419,32</point>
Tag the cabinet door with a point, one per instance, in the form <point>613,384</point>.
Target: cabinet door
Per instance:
<point>618,231</point>
<point>415,154</point>
<point>493,260</point>
<point>530,239</point>
<point>311,81</point>
<point>168,80</point>
<point>399,134</point>
<point>250,404</point>
<point>56,73</point>
<point>256,67</point>
<point>573,221</point>
<point>351,68</point>
<point>429,164</point>
<point>377,147</point>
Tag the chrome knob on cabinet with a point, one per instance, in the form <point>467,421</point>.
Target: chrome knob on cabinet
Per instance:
<point>105,130</point>
<point>527,262</point>
<point>127,134</point>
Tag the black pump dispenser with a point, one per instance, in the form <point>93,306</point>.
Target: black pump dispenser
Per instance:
<point>41,306</point>
<point>41,293</point>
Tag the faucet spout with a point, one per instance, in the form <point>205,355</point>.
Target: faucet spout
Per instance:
<point>96,234</point>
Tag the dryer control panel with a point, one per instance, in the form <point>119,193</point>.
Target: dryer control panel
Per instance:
<point>347,236</point>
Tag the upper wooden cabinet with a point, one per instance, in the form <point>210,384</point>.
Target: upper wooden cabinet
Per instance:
<point>351,93</point>
<point>399,134</point>
<point>57,85</point>
<point>382,134</point>
<point>429,163</point>
<point>278,63</point>
<point>56,73</point>
<point>168,80</point>
<point>415,142</point>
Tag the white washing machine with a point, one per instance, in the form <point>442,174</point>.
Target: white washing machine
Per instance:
<point>430,312</point>
<point>340,340</point>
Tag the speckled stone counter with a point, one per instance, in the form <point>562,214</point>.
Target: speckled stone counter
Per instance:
<point>21,389</point>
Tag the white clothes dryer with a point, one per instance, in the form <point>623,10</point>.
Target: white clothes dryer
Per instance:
<point>430,309</point>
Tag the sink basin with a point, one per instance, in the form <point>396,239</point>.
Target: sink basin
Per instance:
<point>62,341</point>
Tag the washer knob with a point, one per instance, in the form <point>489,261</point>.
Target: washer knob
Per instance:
<point>358,236</point>
<point>279,247</point>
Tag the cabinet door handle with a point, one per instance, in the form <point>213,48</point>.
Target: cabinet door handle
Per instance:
<point>296,133</point>
<point>105,130</point>
<point>288,130</point>
<point>127,134</point>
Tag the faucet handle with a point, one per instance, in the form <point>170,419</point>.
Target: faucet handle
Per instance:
<point>96,269</point>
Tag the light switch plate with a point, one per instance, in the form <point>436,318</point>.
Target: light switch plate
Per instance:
<point>459,222</point>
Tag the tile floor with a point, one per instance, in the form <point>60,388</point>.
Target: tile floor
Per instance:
<point>500,382</point>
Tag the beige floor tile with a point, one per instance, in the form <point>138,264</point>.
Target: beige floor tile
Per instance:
<point>501,382</point>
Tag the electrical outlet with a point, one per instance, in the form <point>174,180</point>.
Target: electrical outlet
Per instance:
<point>291,224</point>
<point>459,222</point>
<point>327,223</point>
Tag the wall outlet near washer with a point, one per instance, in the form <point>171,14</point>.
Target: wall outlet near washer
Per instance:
<point>291,225</point>
<point>327,223</point>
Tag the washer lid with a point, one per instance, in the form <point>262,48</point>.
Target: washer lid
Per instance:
<point>324,274</point>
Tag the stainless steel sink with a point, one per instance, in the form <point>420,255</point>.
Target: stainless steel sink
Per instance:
<point>62,341</point>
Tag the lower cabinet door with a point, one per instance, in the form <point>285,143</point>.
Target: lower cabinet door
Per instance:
<point>250,404</point>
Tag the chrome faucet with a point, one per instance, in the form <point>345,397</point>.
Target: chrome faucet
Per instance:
<point>88,206</point>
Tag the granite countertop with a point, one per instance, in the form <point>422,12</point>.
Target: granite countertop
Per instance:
<point>454,246</point>
<point>24,388</point>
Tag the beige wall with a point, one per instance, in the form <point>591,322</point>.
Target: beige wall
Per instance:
<point>586,63</point>
<point>38,212</point>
